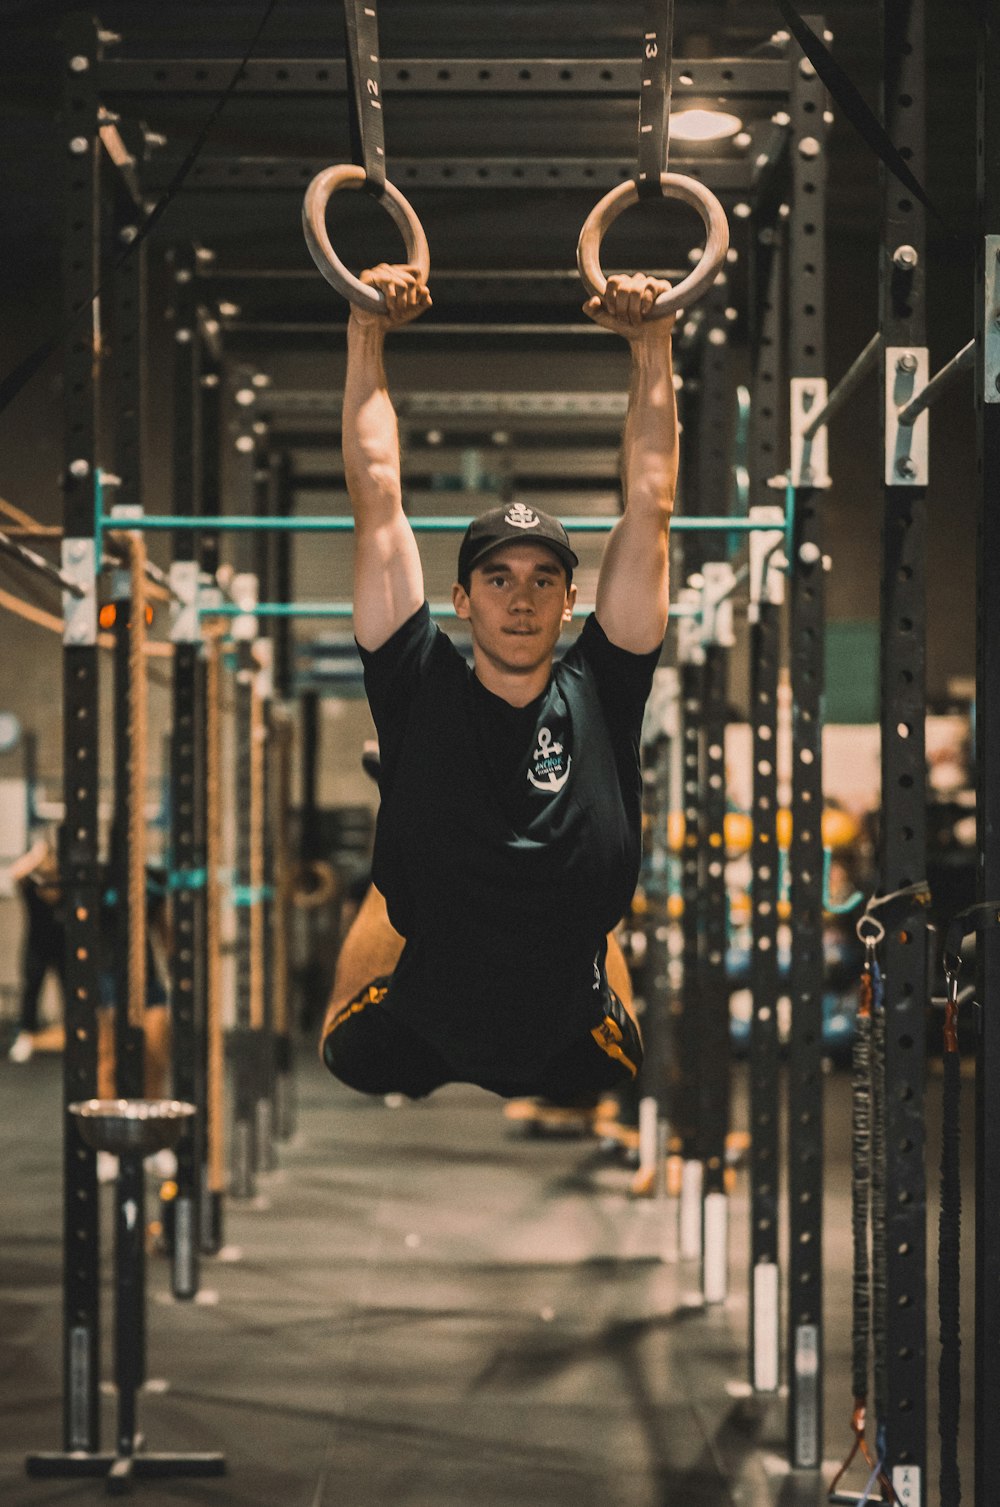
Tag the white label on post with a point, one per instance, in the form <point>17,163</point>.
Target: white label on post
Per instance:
<point>715,1268</point>
<point>765,1327</point>
<point>648,1137</point>
<point>690,1216</point>
<point>906,1485</point>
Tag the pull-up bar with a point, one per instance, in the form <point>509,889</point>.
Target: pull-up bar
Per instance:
<point>344,524</point>
<point>344,610</point>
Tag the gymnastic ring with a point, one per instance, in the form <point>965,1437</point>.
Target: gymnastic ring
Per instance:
<point>306,896</point>
<point>319,194</point>
<point>674,186</point>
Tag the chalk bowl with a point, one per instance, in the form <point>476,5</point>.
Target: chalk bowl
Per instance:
<point>131,1126</point>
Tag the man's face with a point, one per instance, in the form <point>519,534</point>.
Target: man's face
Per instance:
<point>516,605</point>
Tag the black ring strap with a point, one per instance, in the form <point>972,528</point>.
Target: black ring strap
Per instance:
<point>365,92</point>
<point>654,97</point>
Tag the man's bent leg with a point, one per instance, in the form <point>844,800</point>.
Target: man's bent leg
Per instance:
<point>620,979</point>
<point>375,1053</point>
<point>370,950</point>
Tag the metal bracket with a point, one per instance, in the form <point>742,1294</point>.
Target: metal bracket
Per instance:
<point>79,565</point>
<point>717,604</point>
<point>662,715</point>
<point>264,655</point>
<point>767,562</point>
<point>991,321</point>
<point>809,457</point>
<point>244,594</point>
<point>907,372</point>
<point>690,650</point>
<point>185,627</point>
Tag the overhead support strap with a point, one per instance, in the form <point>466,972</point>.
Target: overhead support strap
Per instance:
<point>365,92</point>
<point>654,97</point>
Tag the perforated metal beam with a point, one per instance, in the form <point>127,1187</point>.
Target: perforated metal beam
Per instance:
<point>718,77</point>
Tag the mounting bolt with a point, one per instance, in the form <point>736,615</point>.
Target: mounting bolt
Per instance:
<point>182,275</point>
<point>79,64</point>
<point>810,553</point>
<point>809,147</point>
<point>77,552</point>
<point>79,468</point>
<point>905,466</point>
<point>905,258</point>
<point>78,145</point>
<point>907,362</point>
<point>182,336</point>
<point>127,234</point>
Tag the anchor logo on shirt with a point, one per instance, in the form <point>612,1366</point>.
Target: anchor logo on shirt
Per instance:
<point>548,773</point>
<point>519,515</point>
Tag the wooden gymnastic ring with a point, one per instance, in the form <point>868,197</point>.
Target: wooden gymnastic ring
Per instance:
<point>321,892</point>
<point>319,194</point>
<point>674,186</point>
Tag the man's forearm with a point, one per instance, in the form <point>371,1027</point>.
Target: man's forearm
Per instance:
<point>370,434</point>
<point>649,444</point>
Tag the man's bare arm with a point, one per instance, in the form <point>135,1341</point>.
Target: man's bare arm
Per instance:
<point>633,591</point>
<point>388,578</point>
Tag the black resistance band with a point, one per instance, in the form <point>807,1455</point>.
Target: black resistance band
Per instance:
<point>365,92</point>
<point>853,104</point>
<point>654,97</point>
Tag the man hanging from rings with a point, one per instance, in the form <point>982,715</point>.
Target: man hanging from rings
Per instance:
<point>508,838</point>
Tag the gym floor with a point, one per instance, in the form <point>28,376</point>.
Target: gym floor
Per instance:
<point>423,1307</point>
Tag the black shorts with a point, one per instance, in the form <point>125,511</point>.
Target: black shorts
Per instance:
<point>376,1053</point>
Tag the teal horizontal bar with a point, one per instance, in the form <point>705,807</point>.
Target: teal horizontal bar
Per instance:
<point>336,524</point>
<point>345,610</point>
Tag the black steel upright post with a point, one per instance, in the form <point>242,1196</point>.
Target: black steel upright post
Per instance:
<point>686,1000</point>
<point>208,404</point>
<point>130,1039</point>
<point>987,1362</point>
<point>187,786</point>
<point>904,796</point>
<point>264,499</point>
<point>79,851</point>
<point>282,499</point>
<point>243,1037</point>
<point>713,988</point>
<point>764,618</point>
<point>805,1076</point>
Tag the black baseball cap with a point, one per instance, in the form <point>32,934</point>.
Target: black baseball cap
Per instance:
<point>515,523</point>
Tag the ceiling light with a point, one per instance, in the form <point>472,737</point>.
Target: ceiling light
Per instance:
<point>704,125</point>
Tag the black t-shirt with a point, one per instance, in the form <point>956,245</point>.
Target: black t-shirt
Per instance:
<point>507,842</point>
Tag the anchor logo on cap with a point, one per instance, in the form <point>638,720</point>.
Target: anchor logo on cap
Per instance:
<point>519,515</point>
